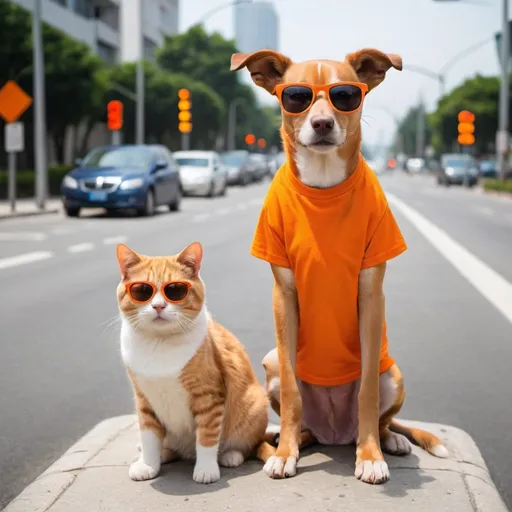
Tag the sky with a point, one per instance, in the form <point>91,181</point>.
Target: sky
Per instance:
<point>425,33</point>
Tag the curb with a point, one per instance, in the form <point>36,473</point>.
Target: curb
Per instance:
<point>17,215</point>
<point>42,494</point>
<point>46,489</point>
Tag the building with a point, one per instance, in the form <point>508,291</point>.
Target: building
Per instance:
<point>109,26</point>
<point>256,26</point>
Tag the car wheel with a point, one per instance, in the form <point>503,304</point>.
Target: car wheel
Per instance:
<point>72,212</point>
<point>149,205</point>
<point>211,191</point>
<point>175,205</point>
<point>224,189</point>
<point>244,179</point>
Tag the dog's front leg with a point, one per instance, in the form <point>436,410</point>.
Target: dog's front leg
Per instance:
<point>286,317</point>
<point>370,464</point>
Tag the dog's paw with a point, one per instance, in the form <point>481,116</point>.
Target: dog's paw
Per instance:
<point>396,444</point>
<point>139,471</point>
<point>372,472</point>
<point>231,459</point>
<point>206,473</point>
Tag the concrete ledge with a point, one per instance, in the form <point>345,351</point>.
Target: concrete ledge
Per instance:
<point>92,476</point>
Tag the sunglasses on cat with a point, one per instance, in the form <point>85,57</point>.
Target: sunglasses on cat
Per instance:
<point>344,97</point>
<point>142,292</point>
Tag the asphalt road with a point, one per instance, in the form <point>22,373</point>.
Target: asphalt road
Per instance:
<point>61,372</point>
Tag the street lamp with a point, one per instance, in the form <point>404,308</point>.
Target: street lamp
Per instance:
<point>232,122</point>
<point>220,7</point>
<point>396,119</point>
<point>140,81</point>
<point>502,136</point>
<point>40,110</point>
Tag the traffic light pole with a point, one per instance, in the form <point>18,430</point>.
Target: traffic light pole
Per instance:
<point>116,138</point>
<point>185,141</point>
<point>502,138</point>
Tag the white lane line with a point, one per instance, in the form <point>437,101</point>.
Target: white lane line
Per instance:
<point>114,240</point>
<point>61,231</point>
<point>87,246</point>
<point>493,286</point>
<point>223,211</point>
<point>256,201</point>
<point>21,236</point>
<point>241,206</point>
<point>23,259</point>
<point>485,210</point>
<point>201,217</point>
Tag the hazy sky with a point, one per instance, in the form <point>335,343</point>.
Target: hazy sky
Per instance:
<point>424,32</point>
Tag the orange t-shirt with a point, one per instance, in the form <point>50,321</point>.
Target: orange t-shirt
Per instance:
<point>326,236</point>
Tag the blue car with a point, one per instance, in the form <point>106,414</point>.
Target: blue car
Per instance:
<point>139,177</point>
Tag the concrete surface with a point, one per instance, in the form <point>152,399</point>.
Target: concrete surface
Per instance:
<point>59,359</point>
<point>27,207</point>
<point>92,476</point>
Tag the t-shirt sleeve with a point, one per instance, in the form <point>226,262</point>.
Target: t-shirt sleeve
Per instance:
<point>268,242</point>
<point>385,243</point>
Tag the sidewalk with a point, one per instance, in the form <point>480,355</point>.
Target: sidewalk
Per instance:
<point>93,477</point>
<point>27,207</point>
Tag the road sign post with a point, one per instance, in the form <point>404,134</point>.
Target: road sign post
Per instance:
<point>14,143</point>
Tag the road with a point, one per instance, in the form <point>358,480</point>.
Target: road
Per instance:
<point>60,368</point>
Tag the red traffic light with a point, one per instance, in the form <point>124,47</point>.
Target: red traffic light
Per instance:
<point>114,115</point>
<point>465,116</point>
<point>250,139</point>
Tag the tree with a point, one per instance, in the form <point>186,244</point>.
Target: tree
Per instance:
<point>408,130</point>
<point>480,95</point>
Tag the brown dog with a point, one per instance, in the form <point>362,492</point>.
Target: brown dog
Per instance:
<point>327,232</point>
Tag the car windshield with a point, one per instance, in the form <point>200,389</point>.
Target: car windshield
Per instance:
<point>233,158</point>
<point>459,164</point>
<point>192,162</point>
<point>119,157</point>
<point>488,165</point>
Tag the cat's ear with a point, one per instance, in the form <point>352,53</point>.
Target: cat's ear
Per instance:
<point>191,257</point>
<point>127,258</point>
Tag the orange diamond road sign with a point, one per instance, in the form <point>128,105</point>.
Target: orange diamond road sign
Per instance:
<point>13,101</point>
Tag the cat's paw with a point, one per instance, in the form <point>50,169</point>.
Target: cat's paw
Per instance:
<point>139,470</point>
<point>206,472</point>
<point>231,459</point>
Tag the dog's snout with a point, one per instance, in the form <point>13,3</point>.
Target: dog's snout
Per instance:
<point>322,124</point>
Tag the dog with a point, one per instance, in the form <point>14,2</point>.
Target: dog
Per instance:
<point>327,232</point>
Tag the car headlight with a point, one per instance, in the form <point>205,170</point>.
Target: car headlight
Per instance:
<point>449,171</point>
<point>131,184</point>
<point>69,182</point>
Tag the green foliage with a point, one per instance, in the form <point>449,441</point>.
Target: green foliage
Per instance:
<point>409,130</point>
<point>25,181</point>
<point>495,185</point>
<point>480,95</point>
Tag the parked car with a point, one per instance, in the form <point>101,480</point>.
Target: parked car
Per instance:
<point>488,169</point>
<point>457,169</point>
<point>416,165</point>
<point>202,173</point>
<point>120,177</point>
<point>276,161</point>
<point>261,166</point>
<point>239,167</point>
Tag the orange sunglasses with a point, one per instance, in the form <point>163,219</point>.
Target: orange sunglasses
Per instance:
<point>345,97</point>
<point>142,292</point>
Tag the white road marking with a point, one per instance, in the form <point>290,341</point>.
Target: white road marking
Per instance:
<point>223,211</point>
<point>241,206</point>
<point>485,210</point>
<point>115,240</point>
<point>23,259</point>
<point>493,286</point>
<point>87,246</point>
<point>256,201</point>
<point>200,217</point>
<point>61,231</point>
<point>22,236</point>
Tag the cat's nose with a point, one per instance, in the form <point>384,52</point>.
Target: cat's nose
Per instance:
<point>158,307</point>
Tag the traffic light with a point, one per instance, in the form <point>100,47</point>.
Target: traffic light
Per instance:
<point>466,128</point>
<point>114,115</point>
<point>250,139</point>
<point>262,143</point>
<point>184,113</point>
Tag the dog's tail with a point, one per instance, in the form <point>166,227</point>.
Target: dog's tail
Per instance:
<point>421,438</point>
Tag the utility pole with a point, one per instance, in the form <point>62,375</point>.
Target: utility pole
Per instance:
<point>40,110</point>
<point>420,130</point>
<point>140,81</point>
<point>502,137</point>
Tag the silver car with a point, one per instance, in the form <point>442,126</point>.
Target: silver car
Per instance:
<point>201,173</point>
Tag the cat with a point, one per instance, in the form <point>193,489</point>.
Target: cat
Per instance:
<point>196,393</point>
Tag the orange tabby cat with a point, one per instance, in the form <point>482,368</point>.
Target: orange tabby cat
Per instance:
<point>196,393</point>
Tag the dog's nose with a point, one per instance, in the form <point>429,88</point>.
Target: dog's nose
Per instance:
<point>322,124</point>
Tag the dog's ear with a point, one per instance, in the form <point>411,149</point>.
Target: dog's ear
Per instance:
<point>267,67</point>
<point>371,65</point>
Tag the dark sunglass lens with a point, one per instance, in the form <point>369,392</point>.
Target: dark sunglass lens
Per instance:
<point>141,292</point>
<point>346,98</point>
<point>296,99</point>
<point>176,291</point>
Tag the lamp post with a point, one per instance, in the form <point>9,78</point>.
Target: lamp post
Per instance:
<point>140,121</point>
<point>40,109</point>
<point>232,122</point>
<point>220,7</point>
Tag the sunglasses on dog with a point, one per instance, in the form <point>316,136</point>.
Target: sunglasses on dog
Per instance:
<point>142,292</point>
<point>345,97</point>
